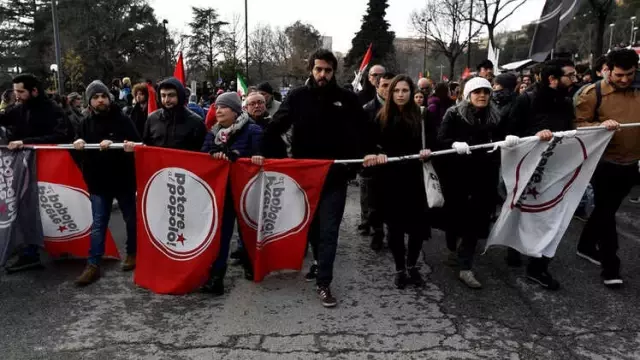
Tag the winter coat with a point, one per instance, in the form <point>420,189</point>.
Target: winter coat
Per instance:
<point>138,116</point>
<point>243,143</point>
<point>436,110</point>
<point>367,94</point>
<point>273,107</point>
<point>504,101</point>
<point>470,182</point>
<point>176,128</point>
<point>401,184</point>
<point>326,122</point>
<point>372,108</point>
<point>542,108</point>
<point>75,119</point>
<point>197,109</point>
<point>108,172</point>
<point>39,121</point>
<point>262,121</point>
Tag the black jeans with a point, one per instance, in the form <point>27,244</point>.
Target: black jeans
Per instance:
<point>611,184</point>
<point>369,203</point>
<point>325,228</point>
<point>412,252</point>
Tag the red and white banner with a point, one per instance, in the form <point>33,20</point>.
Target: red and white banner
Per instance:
<point>275,205</point>
<point>179,207</point>
<point>65,207</point>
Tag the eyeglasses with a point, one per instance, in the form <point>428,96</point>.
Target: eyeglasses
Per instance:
<point>376,74</point>
<point>256,103</point>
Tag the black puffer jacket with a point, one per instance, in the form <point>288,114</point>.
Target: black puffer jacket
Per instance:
<point>175,128</point>
<point>138,116</point>
<point>541,108</point>
<point>108,172</point>
<point>39,121</point>
<point>327,122</point>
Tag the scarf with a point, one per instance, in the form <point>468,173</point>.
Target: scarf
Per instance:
<point>470,114</point>
<point>222,135</point>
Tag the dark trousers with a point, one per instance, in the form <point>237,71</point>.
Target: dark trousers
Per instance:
<point>226,233</point>
<point>536,265</point>
<point>611,184</point>
<point>411,252</point>
<point>325,228</point>
<point>101,206</point>
<point>369,207</point>
<point>466,252</point>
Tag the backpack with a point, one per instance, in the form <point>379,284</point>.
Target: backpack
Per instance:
<point>596,115</point>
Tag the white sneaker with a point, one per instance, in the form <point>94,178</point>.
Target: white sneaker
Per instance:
<point>467,277</point>
<point>635,201</point>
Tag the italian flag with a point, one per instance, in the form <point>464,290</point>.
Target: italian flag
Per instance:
<point>241,85</point>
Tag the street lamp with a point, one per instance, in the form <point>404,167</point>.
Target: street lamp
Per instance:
<point>611,26</point>
<point>56,38</point>
<point>426,44</point>
<point>166,48</point>
<point>633,24</point>
<point>635,31</point>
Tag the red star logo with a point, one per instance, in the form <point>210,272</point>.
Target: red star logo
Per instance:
<point>3,208</point>
<point>534,192</point>
<point>181,239</point>
<point>62,228</point>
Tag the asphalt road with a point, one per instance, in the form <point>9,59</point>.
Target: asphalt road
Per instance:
<point>43,316</point>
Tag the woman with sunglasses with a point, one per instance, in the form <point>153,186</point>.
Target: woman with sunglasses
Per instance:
<point>472,178</point>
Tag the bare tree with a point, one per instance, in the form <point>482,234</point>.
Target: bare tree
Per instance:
<point>231,45</point>
<point>260,48</point>
<point>446,30</point>
<point>491,13</point>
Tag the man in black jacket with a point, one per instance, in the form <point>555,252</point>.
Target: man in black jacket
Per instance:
<point>541,111</point>
<point>370,218</point>
<point>138,112</point>
<point>34,120</point>
<point>109,174</point>
<point>174,126</point>
<point>327,122</point>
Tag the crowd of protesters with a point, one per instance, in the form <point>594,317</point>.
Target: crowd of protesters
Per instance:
<point>392,116</point>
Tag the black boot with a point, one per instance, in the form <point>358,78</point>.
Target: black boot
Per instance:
<point>377,241</point>
<point>415,278</point>
<point>513,258</point>
<point>401,279</point>
<point>215,284</point>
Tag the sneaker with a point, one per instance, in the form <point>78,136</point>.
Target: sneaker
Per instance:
<point>612,281</point>
<point>377,242</point>
<point>635,201</point>
<point>328,301</point>
<point>312,274</point>
<point>90,275</point>
<point>545,280</point>
<point>415,277</point>
<point>129,263</point>
<point>24,263</point>
<point>591,256</point>
<point>401,280</point>
<point>467,277</point>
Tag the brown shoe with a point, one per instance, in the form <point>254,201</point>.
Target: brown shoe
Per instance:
<point>90,275</point>
<point>129,263</point>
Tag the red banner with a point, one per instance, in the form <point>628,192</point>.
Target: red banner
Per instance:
<point>179,207</point>
<point>65,207</point>
<point>280,199</point>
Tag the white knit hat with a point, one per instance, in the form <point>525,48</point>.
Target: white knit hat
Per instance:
<point>475,84</point>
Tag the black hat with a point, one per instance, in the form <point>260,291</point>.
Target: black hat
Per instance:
<point>266,87</point>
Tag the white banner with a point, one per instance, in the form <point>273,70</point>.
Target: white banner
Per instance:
<point>545,182</point>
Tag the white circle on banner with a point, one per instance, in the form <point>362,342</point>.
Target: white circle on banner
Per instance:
<point>179,213</point>
<point>285,206</point>
<point>65,211</point>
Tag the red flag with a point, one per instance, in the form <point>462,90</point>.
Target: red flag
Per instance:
<point>210,119</point>
<point>466,73</point>
<point>178,73</point>
<point>152,102</point>
<point>280,199</point>
<point>366,59</point>
<point>445,78</point>
<point>179,206</point>
<point>65,207</point>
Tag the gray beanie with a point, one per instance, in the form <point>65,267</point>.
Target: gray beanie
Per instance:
<point>97,87</point>
<point>230,100</point>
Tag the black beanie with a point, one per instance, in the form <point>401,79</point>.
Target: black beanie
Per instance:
<point>508,81</point>
<point>266,87</point>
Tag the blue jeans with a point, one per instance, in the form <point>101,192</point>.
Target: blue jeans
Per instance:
<point>226,232</point>
<point>325,228</point>
<point>101,210</point>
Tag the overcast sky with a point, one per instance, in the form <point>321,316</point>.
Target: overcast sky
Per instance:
<point>337,18</point>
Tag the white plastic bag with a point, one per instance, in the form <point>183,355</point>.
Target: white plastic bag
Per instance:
<point>432,187</point>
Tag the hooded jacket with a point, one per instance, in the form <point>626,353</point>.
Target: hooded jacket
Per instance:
<point>38,121</point>
<point>541,108</point>
<point>108,172</point>
<point>326,122</point>
<point>175,128</point>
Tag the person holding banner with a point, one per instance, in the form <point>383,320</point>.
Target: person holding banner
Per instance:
<point>404,209</point>
<point>109,174</point>
<point>611,102</point>
<point>473,178</point>
<point>34,120</point>
<point>541,110</point>
<point>327,123</point>
<point>234,136</point>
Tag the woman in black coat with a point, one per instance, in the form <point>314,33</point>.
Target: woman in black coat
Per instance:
<point>404,202</point>
<point>472,179</point>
